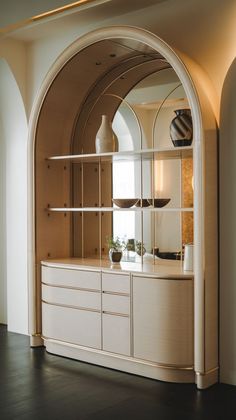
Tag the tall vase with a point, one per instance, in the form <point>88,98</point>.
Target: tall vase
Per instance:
<point>181,128</point>
<point>106,140</point>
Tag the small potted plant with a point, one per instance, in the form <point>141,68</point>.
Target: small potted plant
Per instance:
<point>115,249</point>
<point>139,248</point>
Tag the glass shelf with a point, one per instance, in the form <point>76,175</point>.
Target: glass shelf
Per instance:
<point>111,209</point>
<point>146,154</point>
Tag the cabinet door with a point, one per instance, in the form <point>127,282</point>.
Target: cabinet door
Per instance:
<point>163,320</point>
<point>116,334</point>
<point>72,325</point>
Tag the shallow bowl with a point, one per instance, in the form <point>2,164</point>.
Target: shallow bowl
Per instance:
<point>142,203</point>
<point>159,202</point>
<point>125,202</point>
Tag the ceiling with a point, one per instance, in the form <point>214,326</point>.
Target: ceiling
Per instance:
<point>17,18</point>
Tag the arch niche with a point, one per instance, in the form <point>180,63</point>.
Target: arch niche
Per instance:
<point>105,61</point>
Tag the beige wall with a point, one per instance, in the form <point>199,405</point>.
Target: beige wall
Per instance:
<point>228,227</point>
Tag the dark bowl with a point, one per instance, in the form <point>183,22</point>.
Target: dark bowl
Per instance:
<point>125,202</point>
<point>158,202</point>
<point>182,142</point>
<point>142,203</point>
<point>169,255</point>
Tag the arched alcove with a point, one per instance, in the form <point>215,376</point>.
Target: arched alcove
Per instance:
<point>80,87</point>
<point>13,203</point>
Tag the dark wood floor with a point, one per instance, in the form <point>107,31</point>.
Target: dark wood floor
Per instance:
<point>36,385</point>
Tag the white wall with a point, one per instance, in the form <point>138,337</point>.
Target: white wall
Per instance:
<point>14,202</point>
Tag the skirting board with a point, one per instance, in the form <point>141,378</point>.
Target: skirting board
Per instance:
<point>36,341</point>
<point>207,379</point>
<point>122,363</point>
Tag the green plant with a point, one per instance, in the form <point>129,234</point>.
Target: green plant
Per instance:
<point>114,243</point>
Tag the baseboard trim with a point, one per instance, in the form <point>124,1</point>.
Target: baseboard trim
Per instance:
<point>207,379</point>
<point>122,363</point>
<point>36,341</point>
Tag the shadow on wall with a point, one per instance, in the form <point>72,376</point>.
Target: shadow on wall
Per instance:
<point>13,271</point>
<point>228,228</point>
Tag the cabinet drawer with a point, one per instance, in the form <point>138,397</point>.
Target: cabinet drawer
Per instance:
<point>72,325</point>
<point>116,334</point>
<point>70,297</point>
<point>116,303</point>
<point>73,278</point>
<point>119,283</point>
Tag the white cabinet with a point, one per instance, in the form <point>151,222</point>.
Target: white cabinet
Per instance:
<point>120,319</point>
<point>163,320</point>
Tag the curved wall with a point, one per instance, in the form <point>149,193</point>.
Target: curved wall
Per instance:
<point>14,204</point>
<point>227,227</point>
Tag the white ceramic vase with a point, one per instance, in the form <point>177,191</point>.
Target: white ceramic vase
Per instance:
<point>188,257</point>
<point>106,140</point>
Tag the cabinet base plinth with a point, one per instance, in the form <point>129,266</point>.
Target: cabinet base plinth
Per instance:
<point>36,341</point>
<point>122,363</point>
<point>208,379</point>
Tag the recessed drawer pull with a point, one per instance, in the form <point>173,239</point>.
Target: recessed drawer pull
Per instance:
<point>84,289</point>
<point>115,293</point>
<point>80,308</point>
<point>115,314</point>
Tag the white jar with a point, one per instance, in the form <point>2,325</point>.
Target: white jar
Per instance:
<point>188,257</point>
<point>106,140</point>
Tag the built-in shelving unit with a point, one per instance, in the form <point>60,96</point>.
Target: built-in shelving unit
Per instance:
<point>145,315</point>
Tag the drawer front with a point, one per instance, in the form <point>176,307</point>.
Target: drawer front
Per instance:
<point>116,334</point>
<point>119,283</point>
<point>72,325</point>
<point>116,303</point>
<point>72,278</point>
<point>70,297</point>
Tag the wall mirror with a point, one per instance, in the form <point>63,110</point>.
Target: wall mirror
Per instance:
<point>141,115</point>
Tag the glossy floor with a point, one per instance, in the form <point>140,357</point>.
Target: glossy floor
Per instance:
<point>36,385</point>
